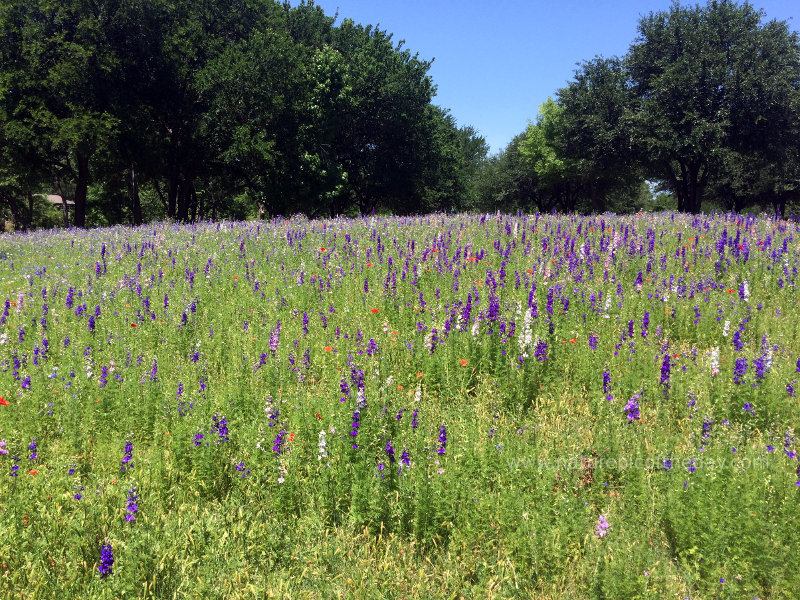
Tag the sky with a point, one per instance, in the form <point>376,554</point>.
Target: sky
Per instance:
<point>496,61</point>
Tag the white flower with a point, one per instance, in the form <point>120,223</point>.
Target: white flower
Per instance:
<point>323,453</point>
<point>474,330</point>
<point>714,361</point>
<point>725,328</point>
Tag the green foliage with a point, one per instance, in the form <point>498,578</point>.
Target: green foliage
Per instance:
<point>184,362</point>
<point>717,101</point>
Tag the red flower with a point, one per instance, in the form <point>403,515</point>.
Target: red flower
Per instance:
<point>133,324</point>
<point>463,362</point>
<point>235,277</point>
<point>33,472</point>
<point>369,264</point>
<point>291,437</point>
<point>328,348</point>
<point>373,310</point>
<point>3,401</point>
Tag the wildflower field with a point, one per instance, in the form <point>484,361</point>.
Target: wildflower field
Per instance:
<point>477,406</point>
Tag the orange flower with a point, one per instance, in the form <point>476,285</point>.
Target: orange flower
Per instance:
<point>399,387</point>
<point>463,362</point>
<point>3,401</point>
<point>419,375</point>
<point>328,348</point>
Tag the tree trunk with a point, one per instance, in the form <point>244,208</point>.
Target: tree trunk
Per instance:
<point>81,189</point>
<point>194,205</point>
<point>137,205</point>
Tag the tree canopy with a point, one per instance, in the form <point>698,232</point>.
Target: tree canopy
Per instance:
<point>196,108</point>
<point>704,106</point>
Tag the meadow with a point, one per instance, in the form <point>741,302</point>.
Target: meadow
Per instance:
<point>444,406</point>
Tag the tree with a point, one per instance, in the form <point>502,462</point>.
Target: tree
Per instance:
<point>508,182</point>
<point>593,133</point>
<point>714,88</point>
<point>57,86</point>
<point>557,179</point>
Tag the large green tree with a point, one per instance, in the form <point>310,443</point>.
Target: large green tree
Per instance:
<point>593,133</point>
<point>716,95</point>
<point>59,79</point>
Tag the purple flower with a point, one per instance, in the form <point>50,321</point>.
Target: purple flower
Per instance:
<point>275,338</point>
<point>442,439</point>
<point>154,370</point>
<point>127,458</point>
<point>240,466</point>
<point>277,444</point>
<point>738,344</point>
<point>354,427</point>
<point>739,369</point>
<point>15,466</point>
<point>665,369</point>
<point>220,427</point>
<point>390,451</point>
<point>132,508</point>
<point>632,408</point>
<point>32,448</point>
<point>540,352</point>
<point>106,560</point>
<point>602,526</point>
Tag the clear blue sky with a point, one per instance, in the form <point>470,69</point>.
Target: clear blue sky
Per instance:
<point>496,61</point>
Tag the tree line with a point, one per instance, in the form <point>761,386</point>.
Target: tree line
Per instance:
<point>705,107</point>
<point>197,109</point>
<point>208,109</point>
